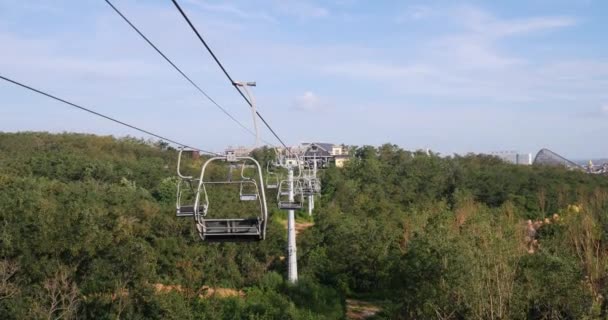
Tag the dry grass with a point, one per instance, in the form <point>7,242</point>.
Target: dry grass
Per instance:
<point>358,310</point>
<point>300,226</point>
<point>203,292</point>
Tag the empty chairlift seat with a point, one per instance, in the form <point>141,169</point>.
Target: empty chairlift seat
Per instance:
<point>290,205</point>
<point>231,230</point>
<point>186,211</point>
<point>272,179</point>
<point>207,214</point>
<point>307,188</point>
<point>316,185</point>
<point>283,199</point>
<point>248,190</point>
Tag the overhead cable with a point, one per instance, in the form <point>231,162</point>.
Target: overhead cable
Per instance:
<point>232,82</point>
<point>177,68</point>
<point>48,95</point>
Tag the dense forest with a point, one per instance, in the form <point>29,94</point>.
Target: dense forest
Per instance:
<point>88,231</point>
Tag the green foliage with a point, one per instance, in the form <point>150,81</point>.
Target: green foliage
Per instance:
<point>90,221</point>
<point>87,230</point>
<point>445,237</point>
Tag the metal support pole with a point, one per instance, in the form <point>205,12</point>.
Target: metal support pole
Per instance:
<point>244,85</point>
<point>310,204</point>
<point>311,199</point>
<point>292,260</point>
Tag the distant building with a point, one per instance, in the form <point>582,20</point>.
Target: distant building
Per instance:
<point>341,160</point>
<point>524,159</point>
<point>240,151</point>
<point>514,157</point>
<point>324,154</point>
<point>597,169</point>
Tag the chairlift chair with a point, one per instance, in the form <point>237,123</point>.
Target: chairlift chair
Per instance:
<point>184,187</point>
<point>316,185</point>
<point>313,183</point>
<point>272,182</point>
<point>310,182</point>
<point>283,196</point>
<point>307,188</point>
<point>248,190</point>
<point>252,228</point>
<point>272,179</point>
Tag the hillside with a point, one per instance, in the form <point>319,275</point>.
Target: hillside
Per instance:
<point>88,231</point>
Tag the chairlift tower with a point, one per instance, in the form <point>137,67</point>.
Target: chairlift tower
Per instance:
<point>290,198</point>
<point>292,258</point>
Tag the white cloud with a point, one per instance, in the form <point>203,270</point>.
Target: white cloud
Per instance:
<point>301,9</point>
<point>275,9</point>
<point>471,62</point>
<point>484,23</point>
<point>308,101</point>
<point>469,51</point>
<point>476,46</point>
<point>40,56</point>
<point>532,25</point>
<point>231,9</point>
<point>378,70</point>
<point>414,13</point>
<point>604,109</point>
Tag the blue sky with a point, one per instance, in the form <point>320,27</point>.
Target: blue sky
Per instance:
<point>475,76</point>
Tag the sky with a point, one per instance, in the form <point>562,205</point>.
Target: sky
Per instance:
<point>455,77</point>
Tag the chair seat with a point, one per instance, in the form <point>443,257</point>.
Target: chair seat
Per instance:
<point>232,238</point>
<point>308,192</point>
<point>290,205</point>
<point>249,197</point>
<point>231,230</point>
<point>187,211</point>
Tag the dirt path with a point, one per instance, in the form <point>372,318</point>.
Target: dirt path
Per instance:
<point>203,292</point>
<point>300,226</point>
<point>359,310</point>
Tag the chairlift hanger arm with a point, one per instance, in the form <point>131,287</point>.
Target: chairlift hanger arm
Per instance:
<point>179,161</point>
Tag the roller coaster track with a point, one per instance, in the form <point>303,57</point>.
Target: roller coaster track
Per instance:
<point>550,158</point>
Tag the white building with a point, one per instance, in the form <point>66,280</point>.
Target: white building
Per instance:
<point>514,157</point>
<point>240,151</point>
